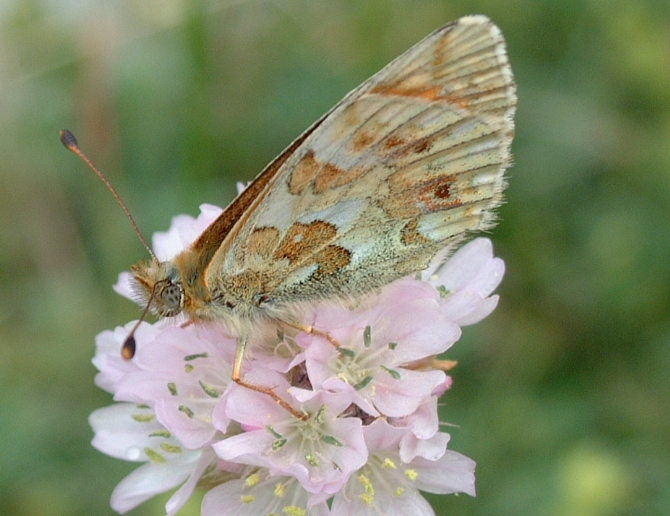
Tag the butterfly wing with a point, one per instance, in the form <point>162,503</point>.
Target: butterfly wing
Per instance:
<point>404,166</point>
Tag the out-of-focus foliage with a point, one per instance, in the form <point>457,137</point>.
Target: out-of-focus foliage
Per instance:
<point>562,396</point>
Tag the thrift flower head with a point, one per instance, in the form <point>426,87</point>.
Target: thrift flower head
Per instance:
<point>359,432</point>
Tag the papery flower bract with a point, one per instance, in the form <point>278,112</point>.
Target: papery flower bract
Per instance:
<point>364,435</point>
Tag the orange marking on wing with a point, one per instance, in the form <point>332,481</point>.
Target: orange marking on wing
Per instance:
<point>303,240</point>
<point>351,176</point>
<point>459,101</point>
<point>394,141</point>
<point>262,241</point>
<point>303,173</point>
<point>396,205</point>
<point>422,146</point>
<point>246,285</point>
<point>421,92</point>
<point>328,178</point>
<point>470,191</point>
<point>362,141</point>
<point>443,191</point>
<point>441,51</point>
<point>410,234</point>
<point>331,259</point>
<point>427,196</point>
<point>437,195</point>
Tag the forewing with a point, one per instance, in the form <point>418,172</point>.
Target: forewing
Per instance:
<point>404,166</point>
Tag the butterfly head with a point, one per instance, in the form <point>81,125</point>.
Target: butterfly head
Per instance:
<point>159,285</point>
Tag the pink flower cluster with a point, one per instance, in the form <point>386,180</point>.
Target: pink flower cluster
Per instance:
<point>369,438</point>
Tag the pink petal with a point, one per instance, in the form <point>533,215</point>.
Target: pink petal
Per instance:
<point>252,408</point>
<point>381,436</point>
<point>489,278</point>
<point>453,473</point>
<point>465,264</point>
<point>248,445</point>
<point>183,231</point>
<point>468,307</point>
<point>195,431</point>
<point>401,397</point>
<point>423,422</point>
<point>430,449</point>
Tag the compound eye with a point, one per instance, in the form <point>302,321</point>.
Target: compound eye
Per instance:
<point>172,299</point>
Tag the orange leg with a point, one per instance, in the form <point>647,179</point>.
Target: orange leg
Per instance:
<point>236,377</point>
<point>311,330</point>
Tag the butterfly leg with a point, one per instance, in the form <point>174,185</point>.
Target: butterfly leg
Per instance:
<point>237,378</point>
<point>311,330</point>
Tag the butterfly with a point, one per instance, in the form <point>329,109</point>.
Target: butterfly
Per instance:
<point>401,169</point>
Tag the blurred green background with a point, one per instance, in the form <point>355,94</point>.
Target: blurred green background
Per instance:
<point>562,396</point>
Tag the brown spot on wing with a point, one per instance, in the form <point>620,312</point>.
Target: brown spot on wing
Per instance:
<point>330,260</point>
<point>262,241</point>
<point>463,103</point>
<point>362,141</point>
<point>322,176</point>
<point>331,176</point>
<point>442,191</point>
<point>409,235</point>
<point>350,176</point>
<point>303,240</point>
<point>328,178</point>
<point>409,197</point>
<point>437,195</point>
<point>422,146</point>
<point>400,205</point>
<point>303,173</point>
<point>394,141</point>
<point>245,286</point>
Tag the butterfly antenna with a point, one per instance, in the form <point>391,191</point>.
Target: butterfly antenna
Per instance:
<point>70,143</point>
<point>129,344</point>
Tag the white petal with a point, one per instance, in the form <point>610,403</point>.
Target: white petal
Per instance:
<point>181,496</point>
<point>151,479</point>
<point>120,433</point>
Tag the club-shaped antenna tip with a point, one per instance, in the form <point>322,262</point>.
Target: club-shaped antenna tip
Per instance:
<point>68,139</point>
